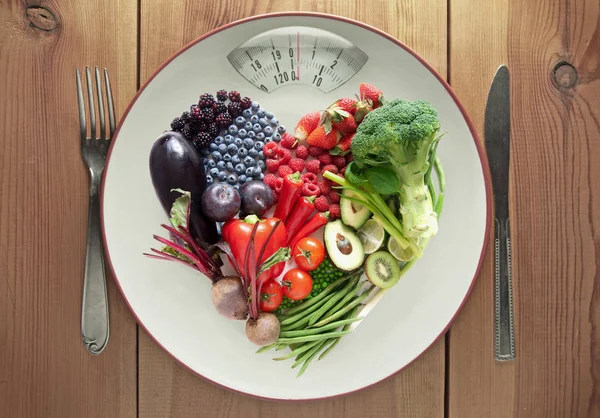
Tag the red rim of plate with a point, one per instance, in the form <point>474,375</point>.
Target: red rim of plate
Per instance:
<point>478,145</point>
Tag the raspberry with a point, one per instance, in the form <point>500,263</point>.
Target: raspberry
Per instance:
<point>310,189</point>
<point>284,170</point>
<point>246,103</point>
<point>349,158</point>
<point>313,166</point>
<point>270,149</point>
<point>302,152</point>
<point>288,141</point>
<point>270,180</point>
<point>334,197</point>
<point>278,185</point>
<point>321,204</point>
<point>343,171</point>
<point>334,211</point>
<point>296,164</point>
<point>315,151</point>
<point>283,155</point>
<point>339,161</point>
<point>272,165</point>
<point>309,178</point>
<point>325,186</point>
<point>325,158</point>
<point>330,167</point>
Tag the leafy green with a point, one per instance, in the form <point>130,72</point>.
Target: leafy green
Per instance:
<point>383,180</point>
<point>180,211</point>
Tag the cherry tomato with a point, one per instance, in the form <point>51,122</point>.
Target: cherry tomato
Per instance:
<point>271,296</point>
<point>297,284</point>
<point>309,253</point>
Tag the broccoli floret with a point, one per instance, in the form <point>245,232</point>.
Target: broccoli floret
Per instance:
<point>399,135</point>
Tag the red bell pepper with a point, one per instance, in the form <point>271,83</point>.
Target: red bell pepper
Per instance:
<point>237,233</point>
<point>290,191</point>
<point>311,226</point>
<point>303,209</point>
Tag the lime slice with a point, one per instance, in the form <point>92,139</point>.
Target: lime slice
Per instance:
<point>372,235</point>
<point>397,251</point>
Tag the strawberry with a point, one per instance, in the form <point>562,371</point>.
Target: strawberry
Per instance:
<point>324,186</point>
<point>339,161</point>
<point>343,171</point>
<point>284,170</point>
<point>330,167</point>
<point>334,211</point>
<point>313,166</point>
<point>315,151</point>
<point>325,159</point>
<point>371,93</point>
<point>270,180</point>
<point>278,185</point>
<point>334,197</point>
<point>319,138</point>
<point>347,104</point>
<point>362,108</point>
<point>347,125</point>
<point>283,155</point>
<point>336,117</point>
<point>343,147</point>
<point>309,178</point>
<point>272,165</point>
<point>302,152</point>
<point>306,125</point>
<point>310,189</point>
<point>349,158</point>
<point>288,141</point>
<point>270,149</point>
<point>321,204</point>
<point>297,164</point>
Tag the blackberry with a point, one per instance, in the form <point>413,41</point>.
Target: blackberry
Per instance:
<point>235,109</point>
<point>213,129</point>
<point>185,116</point>
<point>187,133</point>
<point>207,115</point>
<point>177,124</point>
<point>219,108</point>
<point>246,103</point>
<point>234,96</point>
<point>195,112</point>
<point>197,126</point>
<point>224,120</point>
<point>222,95</point>
<point>202,140</point>
<point>206,100</point>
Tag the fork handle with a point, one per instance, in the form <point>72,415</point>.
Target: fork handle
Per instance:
<point>94,310</point>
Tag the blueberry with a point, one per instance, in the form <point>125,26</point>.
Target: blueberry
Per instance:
<point>214,171</point>
<point>235,159</point>
<point>248,143</point>
<point>222,148</point>
<point>256,127</point>
<point>211,163</point>
<point>213,146</point>
<point>232,149</point>
<point>227,158</point>
<point>249,172</point>
<point>240,168</point>
<point>254,119</point>
<point>242,133</point>
<point>268,139</point>
<point>256,171</point>
<point>261,113</point>
<point>281,129</point>
<point>269,115</point>
<point>229,139</point>
<point>248,179</point>
<point>249,161</point>
<point>263,122</point>
<point>240,121</point>
<point>221,165</point>
<point>261,176</point>
<point>276,137</point>
<point>247,113</point>
<point>205,152</point>
<point>268,131</point>
<point>251,134</point>
<point>255,105</point>
<point>242,178</point>
<point>229,166</point>
<point>232,179</point>
<point>242,152</point>
<point>260,136</point>
<point>216,155</point>
<point>236,187</point>
<point>248,126</point>
<point>253,152</point>
<point>261,164</point>
<point>222,176</point>
<point>258,145</point>
<point>238,141</point>
<point>261,155</point>
<point>218,140</point>
<point>274,122</point>
<point>209,179</point>
<point>232,129</point>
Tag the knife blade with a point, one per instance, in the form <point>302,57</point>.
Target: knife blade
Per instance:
<point>497,144</point>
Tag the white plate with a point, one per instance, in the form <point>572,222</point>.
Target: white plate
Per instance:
<point>173,303</point>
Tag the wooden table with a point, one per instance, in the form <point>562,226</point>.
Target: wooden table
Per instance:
<point>553,50</point>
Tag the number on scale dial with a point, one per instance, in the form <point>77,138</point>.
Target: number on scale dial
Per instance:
<point>297,55</point>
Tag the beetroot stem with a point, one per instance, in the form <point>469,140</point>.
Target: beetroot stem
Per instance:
<point>168,257</point>
<point>185,235</point>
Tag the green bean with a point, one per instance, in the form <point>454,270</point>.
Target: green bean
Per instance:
<point>347,309</point>
<point>281,347</point>
<point>350,316</point>
<point>297,351</point>
<point>312,331</point>
<point>312,337</point>
<point>309,359</point>
<point>266,348</point>
<point>332,301</point>
<point>314,349</point>
<point>302,322</point>
<point>341,304</point>
<point>310,309</point>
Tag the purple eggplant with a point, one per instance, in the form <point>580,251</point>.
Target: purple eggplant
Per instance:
<point>176,164</point>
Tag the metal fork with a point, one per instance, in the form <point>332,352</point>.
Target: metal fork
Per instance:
<point>94,310</point>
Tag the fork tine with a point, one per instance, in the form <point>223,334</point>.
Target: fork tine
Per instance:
<point>81,106</point>
<point>109,102</point>
<point>100,105</point>
<point>91,102</point>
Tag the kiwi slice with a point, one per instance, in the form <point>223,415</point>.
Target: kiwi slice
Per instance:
<point>382,269</point>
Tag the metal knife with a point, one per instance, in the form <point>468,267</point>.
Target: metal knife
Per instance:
<point>497,144</point>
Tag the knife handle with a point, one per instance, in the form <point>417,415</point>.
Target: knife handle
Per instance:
<point>504,314</point>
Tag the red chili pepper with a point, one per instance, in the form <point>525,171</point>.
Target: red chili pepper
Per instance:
<point>292,186</point>
<point>303,209</point>
<point>311,226</point>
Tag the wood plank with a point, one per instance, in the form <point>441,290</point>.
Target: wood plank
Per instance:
<point>555,210</point>
<point>168,390</point>
<point>44,369</point>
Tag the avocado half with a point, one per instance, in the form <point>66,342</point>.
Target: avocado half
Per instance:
<point>343,246</point>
